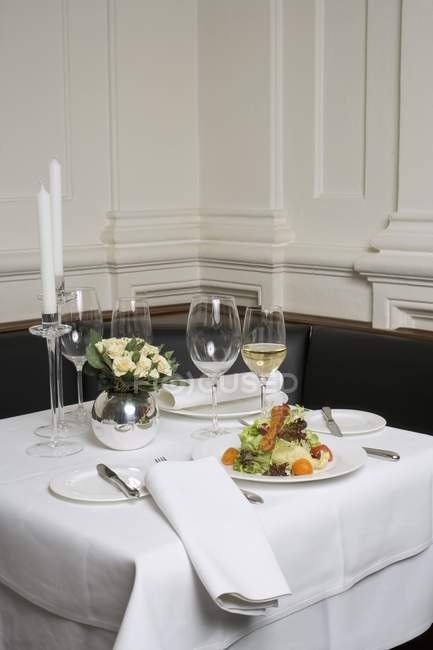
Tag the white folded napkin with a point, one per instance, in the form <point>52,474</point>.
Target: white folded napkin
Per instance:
<point>221,534</point>
<point>230,388</point>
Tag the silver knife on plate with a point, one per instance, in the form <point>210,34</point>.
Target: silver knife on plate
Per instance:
<point>371,451</point>
<point>109,475</point>
<point>330,422</point>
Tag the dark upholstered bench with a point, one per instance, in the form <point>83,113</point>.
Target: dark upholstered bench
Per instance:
<point>25,385</point>
<point>385,373</point>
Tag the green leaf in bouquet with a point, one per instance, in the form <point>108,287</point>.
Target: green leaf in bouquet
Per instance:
<point>135,356</point>
<point>95,337</point>
<point>134,345</point>
<point>168,355</point>
<point>93,357</point>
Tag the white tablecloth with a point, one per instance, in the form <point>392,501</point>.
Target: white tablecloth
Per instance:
<point>121,569</point>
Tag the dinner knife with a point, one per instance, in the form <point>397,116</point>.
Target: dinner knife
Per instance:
<point>371,451</point>
<point>330,422</point>
<point>109,475</point>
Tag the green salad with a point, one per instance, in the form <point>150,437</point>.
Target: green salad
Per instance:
<point>279,445</point>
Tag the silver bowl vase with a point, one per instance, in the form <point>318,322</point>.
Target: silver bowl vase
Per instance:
<point>125,420</point>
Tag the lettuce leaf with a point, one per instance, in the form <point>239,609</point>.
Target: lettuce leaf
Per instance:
<point>253,462</point>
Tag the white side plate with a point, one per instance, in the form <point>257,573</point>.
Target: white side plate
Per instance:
<point>84,484</point>
<point>348,457</point>
<point>351,422</point>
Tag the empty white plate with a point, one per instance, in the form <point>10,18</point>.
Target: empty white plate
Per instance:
<point>351,422</point>
<point>85,484</point>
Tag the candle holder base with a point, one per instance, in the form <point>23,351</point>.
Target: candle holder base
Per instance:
<point>66,428</point>
<point>57,449</point>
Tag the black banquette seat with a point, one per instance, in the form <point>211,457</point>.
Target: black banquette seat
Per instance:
<point>385,373</point>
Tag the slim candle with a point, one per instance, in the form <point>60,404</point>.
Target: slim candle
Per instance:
<point>56,215</point>
<point>49,302</point>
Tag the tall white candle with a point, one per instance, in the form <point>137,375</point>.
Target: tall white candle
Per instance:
<point>49,301</point>
<point>56,215</point>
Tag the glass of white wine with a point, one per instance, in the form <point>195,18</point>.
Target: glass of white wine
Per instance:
<point>264,343</point>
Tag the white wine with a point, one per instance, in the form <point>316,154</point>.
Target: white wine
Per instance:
<point>264,358</point>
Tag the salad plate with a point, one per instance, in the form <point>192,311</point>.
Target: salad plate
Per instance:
<point>236,409</point>
<point>84,484</point>
<point>347,458</point>
<point>351,422</point>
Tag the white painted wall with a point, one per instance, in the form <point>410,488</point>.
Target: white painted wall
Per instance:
<point>276,149</point>
<point>110,88</point>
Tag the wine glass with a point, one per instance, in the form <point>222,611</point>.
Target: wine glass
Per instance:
<point>213,337</point>
<point>264,343</point>
<point>83,314</point>
<point>131,319</point>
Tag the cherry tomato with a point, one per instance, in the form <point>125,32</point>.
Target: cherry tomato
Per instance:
<point>302,466</point>
<point>316,451</point>
<point>230,456</point>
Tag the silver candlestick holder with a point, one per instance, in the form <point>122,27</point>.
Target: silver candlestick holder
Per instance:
<point>56,447</point>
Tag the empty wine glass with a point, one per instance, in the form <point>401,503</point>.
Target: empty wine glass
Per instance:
<point>213,338</point>
<point>83,314</point>
<point>131,319</point>
<point>264,343</point>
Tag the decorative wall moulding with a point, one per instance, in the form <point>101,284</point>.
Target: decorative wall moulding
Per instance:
<point>396,266</point>
<point>406,232</point>
<point>136,227</point>
<point>402,305</point>
<point>259,226</point>
<point>321,260</point>
<point>182,292</point>
<point>26,262</point>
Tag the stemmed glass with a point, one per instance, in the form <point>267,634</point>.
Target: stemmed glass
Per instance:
<point>83,314</point>
<point>131,319</point>
<point>213,338</point>
<point>264,343</point>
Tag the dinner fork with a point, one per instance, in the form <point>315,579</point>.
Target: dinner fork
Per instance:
<point>251,496</point>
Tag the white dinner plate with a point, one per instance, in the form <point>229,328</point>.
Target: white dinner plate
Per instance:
<point>85,484</point>
<point>351,422</point>
<point>237,409</point>
<point>348,457</point>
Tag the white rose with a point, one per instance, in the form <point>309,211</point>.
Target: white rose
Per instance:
<point>122,365</point>
<point>154,374</point>
<point>149,350</point>
<point>115,347</point>
<point>143,366</point>
<point>163,366</point>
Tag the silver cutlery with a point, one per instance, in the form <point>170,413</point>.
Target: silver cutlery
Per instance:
<point>109,475</point>
<point>330,422</point>
<point>251,496</point>
<point>382,453</point>
<point>371,451</point>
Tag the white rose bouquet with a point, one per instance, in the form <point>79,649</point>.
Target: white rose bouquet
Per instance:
<point>129,365</point>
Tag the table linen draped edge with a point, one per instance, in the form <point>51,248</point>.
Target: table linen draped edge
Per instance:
<point>366,521</point>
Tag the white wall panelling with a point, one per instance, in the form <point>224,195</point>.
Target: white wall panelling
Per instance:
<point>280,150</point>
<point>401,272</point>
